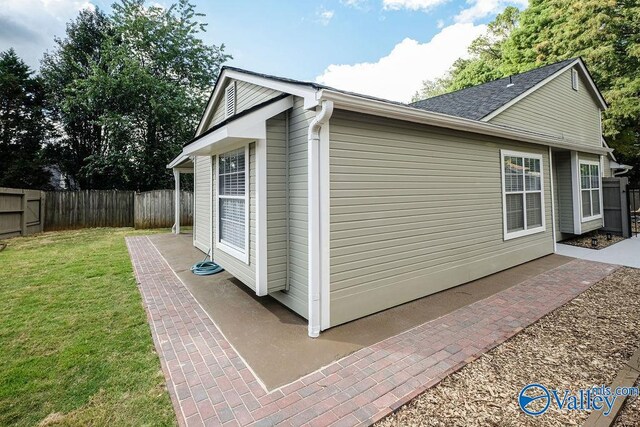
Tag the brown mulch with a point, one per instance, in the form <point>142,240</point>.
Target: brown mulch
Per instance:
<point>582,344</point>
<point>630,414</point>
<point>584,241</point>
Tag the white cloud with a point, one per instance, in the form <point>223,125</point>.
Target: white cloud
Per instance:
<point>440,23</point>
<point>324,16</point>
<point>479,9</point>
<point>353,3</point>
<point>411,4</point>
<point>30,25</point>
<point>398,75</point>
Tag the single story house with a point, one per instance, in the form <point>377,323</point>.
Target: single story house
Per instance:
<point>340,205</point>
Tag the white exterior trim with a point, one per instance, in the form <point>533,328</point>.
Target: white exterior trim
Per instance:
<point>577,62</point>
<point>553,202</point>
<point>575,192</point>
<point>590,163</point>
<point>261,217</point>
<point>527,231</point>
<point>242,130</point>
<point>235,252</point>
<point>303,91</point>
<point>176,202</point>
<point>415,115</point>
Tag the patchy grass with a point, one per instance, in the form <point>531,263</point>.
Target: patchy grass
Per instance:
<point>76,346</point>
<point>580,345</point>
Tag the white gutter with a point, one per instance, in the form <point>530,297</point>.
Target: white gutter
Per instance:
<point>315,244</point>
<point>402,112</point>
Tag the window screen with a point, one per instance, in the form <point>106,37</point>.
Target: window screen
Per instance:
<point>522,193</point>
<point>590,189</point>
<point>232,201</point>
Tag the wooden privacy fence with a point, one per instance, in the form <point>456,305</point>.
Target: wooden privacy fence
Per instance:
<point>110,208</point>
<point>155,209</point>
<point>21,212</point>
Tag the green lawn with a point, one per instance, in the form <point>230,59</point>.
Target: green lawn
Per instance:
<point>75,346</point>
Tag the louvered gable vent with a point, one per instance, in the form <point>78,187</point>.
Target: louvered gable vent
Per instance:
<point>230,100</point>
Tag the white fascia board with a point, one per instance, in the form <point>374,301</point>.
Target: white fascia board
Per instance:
<point>175,162</point>
<point>248,128</point>
<point>305,92</point>
<point>376,107</point>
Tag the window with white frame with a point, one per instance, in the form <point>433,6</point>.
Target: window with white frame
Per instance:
<point>523,195</point>
<point>233,204</point>
<point>574,79</point>
<point>590,190</point>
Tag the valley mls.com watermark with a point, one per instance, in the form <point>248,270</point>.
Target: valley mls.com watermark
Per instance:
<point>536,399</point>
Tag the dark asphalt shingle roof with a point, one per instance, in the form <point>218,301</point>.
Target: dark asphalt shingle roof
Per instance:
<point>478,101</point>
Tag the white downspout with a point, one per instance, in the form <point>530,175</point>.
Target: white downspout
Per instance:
<point>315,244</point>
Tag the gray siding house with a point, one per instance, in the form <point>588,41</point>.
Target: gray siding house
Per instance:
<point>340,205</point>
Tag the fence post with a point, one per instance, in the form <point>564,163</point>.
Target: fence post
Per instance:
<point>23,214</point>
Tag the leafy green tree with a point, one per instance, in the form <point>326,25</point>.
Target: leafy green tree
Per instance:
<point>431,88</point>
<point>64,72</point>
<point>23,126</point>
<point>143,92</point>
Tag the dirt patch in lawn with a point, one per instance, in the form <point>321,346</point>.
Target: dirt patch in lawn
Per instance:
<point>584,241</point>
<point>580,345</point>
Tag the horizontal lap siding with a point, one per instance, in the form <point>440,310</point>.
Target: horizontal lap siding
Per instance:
<point>557,109</point>
<point>202,197</point>
<point>247,95</point>
<point>415,210</point>
<point>564,191</point>
<point>276,204</point>
<point>296,298</point>
<point>246,273</point>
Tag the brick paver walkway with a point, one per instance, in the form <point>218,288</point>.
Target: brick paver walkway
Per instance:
<point>210,384</point>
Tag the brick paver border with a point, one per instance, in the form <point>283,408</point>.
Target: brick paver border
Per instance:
<point>210,384</point>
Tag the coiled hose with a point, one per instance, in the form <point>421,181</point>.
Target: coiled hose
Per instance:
<point>206,268</point>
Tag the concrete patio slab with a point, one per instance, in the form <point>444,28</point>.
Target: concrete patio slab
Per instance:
<point>626,252</point>
<point>282,335</point>
<point>210,383</point>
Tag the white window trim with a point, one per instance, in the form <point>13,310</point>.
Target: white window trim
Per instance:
<point>235,252</point>
<point>575,79</point>
<point>592,217</point>
<point>526,232</point>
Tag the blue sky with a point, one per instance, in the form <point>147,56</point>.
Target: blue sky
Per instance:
<point>379,47</point>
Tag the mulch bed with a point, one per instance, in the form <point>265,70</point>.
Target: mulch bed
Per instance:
<point>582,344</point>
<point>630,414</point>
<point>584,241</point>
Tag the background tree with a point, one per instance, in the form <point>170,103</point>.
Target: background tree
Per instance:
<point>139,96</point>
<point>23,127</point>
<point>605,33</point>
<point>77,57</point>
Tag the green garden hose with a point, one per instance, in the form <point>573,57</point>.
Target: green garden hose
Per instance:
<point>206,268</point>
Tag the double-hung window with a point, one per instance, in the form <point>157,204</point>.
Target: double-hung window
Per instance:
<point>233,204</point>
<point>590,190</point>
<point>523,195</point>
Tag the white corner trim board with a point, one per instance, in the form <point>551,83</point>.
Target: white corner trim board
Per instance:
<point>314,141</point>
<point>261,217</point>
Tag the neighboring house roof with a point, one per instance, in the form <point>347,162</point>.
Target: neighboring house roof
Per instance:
<point>479,101</point>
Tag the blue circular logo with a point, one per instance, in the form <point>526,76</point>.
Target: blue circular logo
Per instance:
<point>533,393</point>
